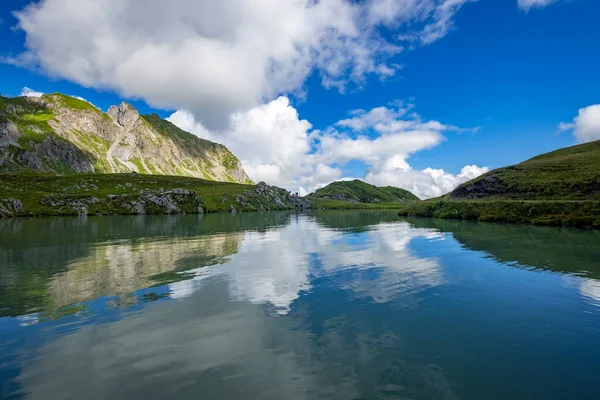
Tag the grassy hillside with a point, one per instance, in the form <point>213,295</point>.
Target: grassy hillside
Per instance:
<point>353,194</point>
<point>560,188</point>
<point>28,194</point>
<point>572,173</point>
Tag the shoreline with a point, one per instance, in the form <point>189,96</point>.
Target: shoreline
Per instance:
<point>559,213</point>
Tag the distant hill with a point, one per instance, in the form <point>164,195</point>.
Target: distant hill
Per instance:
<point>61,134</point>
<point>357,191</point>
<point>559,188</point>
<point>572,173</point>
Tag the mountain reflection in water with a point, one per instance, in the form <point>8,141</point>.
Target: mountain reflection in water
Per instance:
<point>331,304</point>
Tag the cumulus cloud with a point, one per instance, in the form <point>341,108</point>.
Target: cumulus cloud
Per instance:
<point>586,125</point>
<point>527,5</point>
<point>215,58</point>
<point>426,183</point>
<point>271,140</point>
<point>276,146</point>
<point>28,92</point>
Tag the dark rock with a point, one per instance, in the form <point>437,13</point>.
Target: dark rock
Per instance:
<point>488,186</point>
<point>10,207</point>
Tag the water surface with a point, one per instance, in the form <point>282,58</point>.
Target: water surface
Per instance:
<point>328,305</point>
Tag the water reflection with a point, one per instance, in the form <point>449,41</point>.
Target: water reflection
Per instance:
<point>333,304</point>
<point>572,252</point>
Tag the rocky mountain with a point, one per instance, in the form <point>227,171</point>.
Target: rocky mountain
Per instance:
<point>61,134</point>
<point>357,191</point>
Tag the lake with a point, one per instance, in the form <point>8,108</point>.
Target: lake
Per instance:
<point>325,305</point>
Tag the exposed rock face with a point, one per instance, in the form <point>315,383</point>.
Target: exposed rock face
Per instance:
<point>264,193</point>
<point>57,133</point>
<point>10,207</point>
<point>8,133</point>
<point>167,202</point>
<point>487,186</point>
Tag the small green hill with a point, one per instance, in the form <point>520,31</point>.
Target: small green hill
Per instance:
<point>357,191</point>
<point>558,188</point>
<point>572,173</point>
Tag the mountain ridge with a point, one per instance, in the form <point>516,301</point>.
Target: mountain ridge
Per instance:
<point>60,134</point>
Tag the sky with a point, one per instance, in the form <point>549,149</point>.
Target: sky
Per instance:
<point>418,94</point>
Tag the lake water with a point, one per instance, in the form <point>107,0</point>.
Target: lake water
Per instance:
<point>328,305</point>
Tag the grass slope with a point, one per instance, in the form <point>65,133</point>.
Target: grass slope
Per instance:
<point>358,194</point>
<point>572,173</point>
<point>560,188</point>
<point>31,188</point>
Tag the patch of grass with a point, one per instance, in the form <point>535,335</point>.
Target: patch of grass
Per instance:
<point>70,102</point>
<point>31,119</point>
<point>229,161</point>
<point>138,163</point>
<point>347,205</point>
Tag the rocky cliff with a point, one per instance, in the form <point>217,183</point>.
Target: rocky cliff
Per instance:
<point>61,134</point>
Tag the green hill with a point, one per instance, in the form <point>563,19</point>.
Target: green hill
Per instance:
<point>557,188</point>
<point>572,173</point>
<point>359,193</point>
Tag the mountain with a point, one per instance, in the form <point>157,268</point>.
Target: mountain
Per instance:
<point>572,173</point>
<point>357,191</point>
<point>560,188</point>
<point>61,134</point>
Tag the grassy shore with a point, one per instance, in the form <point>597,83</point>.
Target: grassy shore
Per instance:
<point>576,213</point>
<point>348,205</point>
<point>106,193</point>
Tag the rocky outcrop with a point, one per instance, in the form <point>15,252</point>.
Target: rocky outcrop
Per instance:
<point>267,196</point>
<point>487,186</point>
<point>10,207</point>
<point>9,133</point>
<point>166,202</point>
<point>65,203</point>
<point>60,134</point>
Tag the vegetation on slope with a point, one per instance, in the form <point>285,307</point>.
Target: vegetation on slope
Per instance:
<point>572,173</point>
<point>47,194</point>
<point>359,194</point>
<point>560,188</point>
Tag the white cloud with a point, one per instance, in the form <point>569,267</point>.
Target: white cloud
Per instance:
<point>527,5</point>
<point>426,183</point>
<point>274,267</point>
<point>277,147</point>
<point>586,125</point>
<point>27,92</point>
<point>270,140</point>
<point>216,58</point>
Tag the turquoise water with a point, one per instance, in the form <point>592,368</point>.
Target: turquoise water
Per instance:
<point>329,305</point>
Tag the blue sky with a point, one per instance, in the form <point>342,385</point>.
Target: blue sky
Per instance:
<point>512,73</point>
